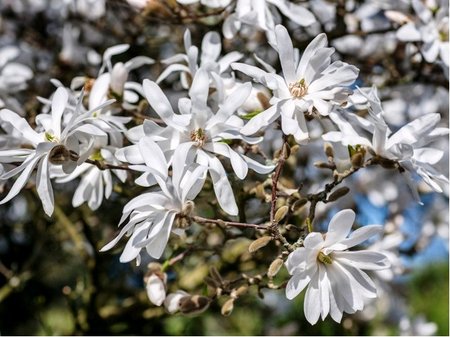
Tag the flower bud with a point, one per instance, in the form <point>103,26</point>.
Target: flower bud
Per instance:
<point>156,290</point>
<point>259,243</point>
<point>340,192</point>
<point>119,75</point>
<point>194,304</point>
<point>328,148</point>
<point>358,160</point>
<point>281,213</point>
<point>59,155</point>
<point>227,307</point>
<point>172,301</point>
<point>286,150</point>
<point>298,204</point>
<point>274,267</point>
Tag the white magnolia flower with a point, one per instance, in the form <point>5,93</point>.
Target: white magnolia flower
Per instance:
<point>408,146</point>
<point>151,215</point>
<point>198,134</point>
<point>431,29</point>
<point>262,14</point>
<point>334,276</point>
<point>55,145</point>
<point>156,288</point>
<point>113,83</point>
<point>209,59</point>
<point>311,83</point>
<point>95,184</point>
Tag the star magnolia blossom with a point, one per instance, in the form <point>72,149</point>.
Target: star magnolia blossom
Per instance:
<point>408,146</point>
<point>209,59</point>
<point>312,83</point>
<point>430,29</point>
<point>152,215</point>
<point>334,276</point>
<point>198,133</point>
<point>54,145</point>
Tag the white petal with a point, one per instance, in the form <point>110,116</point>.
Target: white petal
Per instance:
<point>156,291</point>
<point>339,227</point>
<point>21,125</point>
<point>320,41</point>
<point>44,187</point>
<point>358,236</point>
<point>363,259</point>
<point>211,47</point>
<point>157,246</point>
<point>153,156</point>
<point>312,302</point>
<point>286,53</point>
<point>222,186</point>
<point>261,120</point>
<point>296,284</point>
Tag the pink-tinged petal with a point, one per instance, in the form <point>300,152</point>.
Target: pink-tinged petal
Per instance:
<point>296,284</point>
<point>286,53</point>
<point>44,187</point>
<point>358,236</point>
<point>320,41</point>
<point>261,120</point>
<point>21,125</point>
<point>339,227</point>
<point>312,304</point>
<point>362,259</point>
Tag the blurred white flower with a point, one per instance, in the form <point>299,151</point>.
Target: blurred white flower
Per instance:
<point>312,82</point>
<point>408,146</point>
<point>209,59</point>
<point>262,14</point>
<point>334,276</point>
<point>431,28</point>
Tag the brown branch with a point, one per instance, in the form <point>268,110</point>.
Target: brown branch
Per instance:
<point>105,166</point>
<point>201,220</point>
<point>276,176</point>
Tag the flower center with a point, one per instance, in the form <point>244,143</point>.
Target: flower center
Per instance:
<point>50,137</point>
<point>298,89</point>
<point>60,155</point>
<point>325,259</point>
<point>199,137</point>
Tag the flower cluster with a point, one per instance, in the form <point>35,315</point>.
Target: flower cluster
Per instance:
<point>180,141</point>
